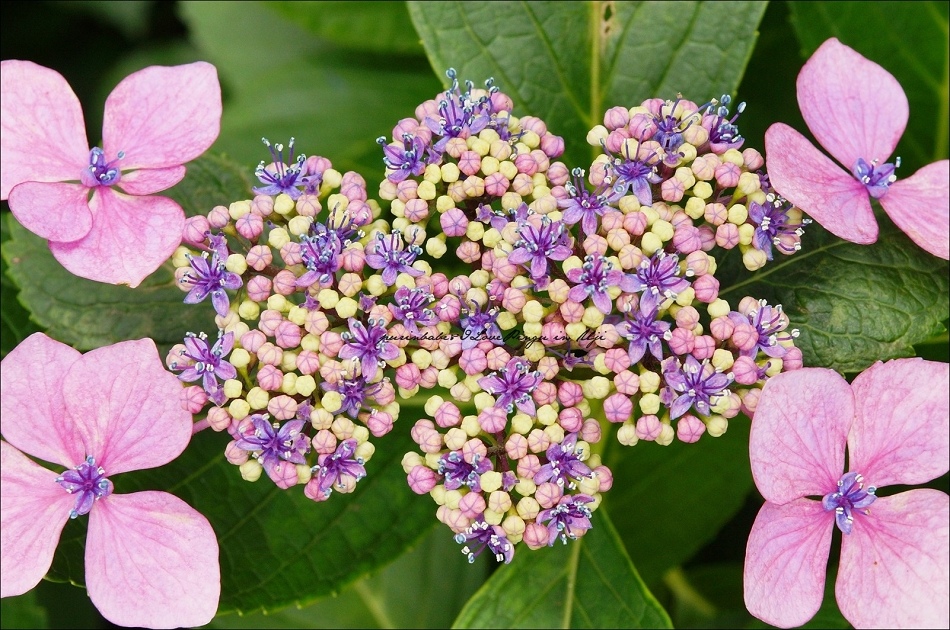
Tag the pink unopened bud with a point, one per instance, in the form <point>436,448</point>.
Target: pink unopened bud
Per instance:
<point>703,347</point>
<point>681,341</point>
<point>686,239</point>
<point>752,159</point>
<point>470,162</point>
<point>590,432</point>
<point>672,190</point>
<point>745,337</point>
<point>287,335</point>
<point>406,190</point>
<point>448,415</point>
<point>252,340</point>
<point>627,382</point>
<point>496,184</point>
<point>472,505</point>
<point>792,359</point>
<point>195,230</point>
<point>708,237</point>
<point>308,362</point>
<point>616,117</point>
<point>270,378</point>
<point>269,321</point>
<point>687,317</point>
<point>526,164</point>
<point>285,282</point>
<point>282,407</point>
<point>219,217</point>
<point>618,408</point>
<point>727,175</point>
<point>722,328</point>
<point>649,427</point>
<point>270,354</point>
<point>529,465</point>
<point>330,343</point>
<point>324,442</point>
<point>706,288</point>
<point>548,494</point>
<point>193,399</point>
<point>617,359</point>
<point>727,235</point>
<point>235,455</point>
<point>469,252</point>
<point>262,205</point>
<point>259,256</point>
<point>571,419</point>
<point>424,434</point>
<point>750,400</point>
<point>552,146</point>
<point>689,429</point>
<point>416,210</point>
<point>250,226</point>
<point>473,360</point>
<point>545,393</point>
<point>290,253</point>
<point>745,371</point>
<point>570,393</point>
<point>379,423</point>
<point>219,419</point>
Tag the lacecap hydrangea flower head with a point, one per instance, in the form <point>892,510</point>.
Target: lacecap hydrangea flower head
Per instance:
<point>151,560</point>
<point>857,111</point>
<point>97,207</point>
<point>895,550</point>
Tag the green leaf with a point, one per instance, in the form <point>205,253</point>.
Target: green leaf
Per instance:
<point>855,304</point>
<point>284,82</point>
<point>382,27</point>
<point>279,548</point>
<point>88,314</point>
<point>669,501</point>
<point>921,63</point>
<point>588,583</point>
<point>23,611</point>
<point>131,17</point>
<point>399,596</point>
<point>15,322</point>
<point>567,62</point>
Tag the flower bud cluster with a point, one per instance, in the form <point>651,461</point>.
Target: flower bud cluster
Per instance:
<point>298,373</point>
<point>587,298</point>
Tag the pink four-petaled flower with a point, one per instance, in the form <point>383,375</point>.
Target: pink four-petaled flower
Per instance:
<point>894,567</point>
<point>857,111</point>
<point>151,559</point>
<point>96,206</point>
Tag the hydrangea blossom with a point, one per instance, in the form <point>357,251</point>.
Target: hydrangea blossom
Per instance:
<point>112,410</point>
<point>96,206</point>
<point>837,88</point>
<point>894,566</point>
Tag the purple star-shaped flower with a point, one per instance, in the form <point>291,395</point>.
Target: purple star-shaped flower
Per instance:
<point>272,446</point>
<point>405,160</point>
<point>88,482</point>
<point>368,345</point>
<point>569,516</point>
<point>564,464</point>
<point>658,278</point>
<point>388,253</point>
<point>636,175</point>
<point>458,472</point>
<point>593,279</point>
<point>410,306</point>
<point>458,113</point>
<point>774,227</point>
<point>353,391</point>
<point>209,364</point>
<point>537,245</point>
<point>332,468</point>
<point>320,251</point>
<point>279,177</point>
<point>696,383</point>
<point>480,536</point>
<point>723,132</point>
<point>644,332</point>
<point>769,322</point>
<point>512,385</point>
<point>208,276</point>
<point>478,325</point>
<point>583,205</point>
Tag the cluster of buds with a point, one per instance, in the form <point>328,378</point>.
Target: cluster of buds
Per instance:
<point>571,303</point>
<point>297,374</point>
<point>585,299</point>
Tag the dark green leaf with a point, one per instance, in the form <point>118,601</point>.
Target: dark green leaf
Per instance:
<point>88,314</point>
<point>15,322</point>
<point>400,596</point>
<point>588,583</point>
<point>285,82</point>
<point>23,611</point>
<point>279,548</point>
<point>668,501</point>
<point>568,62</point>
<point>378,26</point>
<point>855,304</point>
<point>882,32</point>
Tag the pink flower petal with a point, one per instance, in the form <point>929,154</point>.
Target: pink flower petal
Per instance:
<point>920,205</point>
<point>163,116</point>
<point>147,181</point>
<point>901,432</point>
<point>853,107</point>
<point>32,409</point>
<point>786,560</point>
<point>810,180</point>
<point>130,238</point>
<point>894,568</point>
<point>54,211</point>
<point>799,432</point>
<point>126,405</point>
<point>43,135</point>
<point>33,511</point>
<point>152,561</point>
